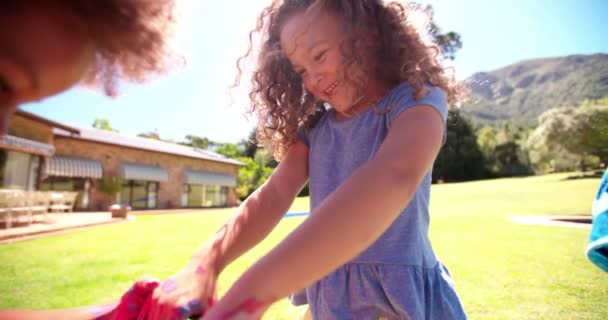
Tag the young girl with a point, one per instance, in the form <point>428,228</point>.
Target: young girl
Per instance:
<point>353,97</point>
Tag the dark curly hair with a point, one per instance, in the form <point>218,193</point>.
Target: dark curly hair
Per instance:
<point>395,35</point>
<point>130,37</point>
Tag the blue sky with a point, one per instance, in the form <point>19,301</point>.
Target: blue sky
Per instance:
<point>212,34</point>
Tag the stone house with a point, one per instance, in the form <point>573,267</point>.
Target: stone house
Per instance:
<point>40,154</point>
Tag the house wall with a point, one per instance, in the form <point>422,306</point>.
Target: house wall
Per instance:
<point>111,157</point>
<point>30,129</point>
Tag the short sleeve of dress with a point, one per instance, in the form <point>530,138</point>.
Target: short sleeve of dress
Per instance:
<point>303,136</point>
<point>402,98</point>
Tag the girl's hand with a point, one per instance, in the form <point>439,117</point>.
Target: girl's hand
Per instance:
<point>185,294</point>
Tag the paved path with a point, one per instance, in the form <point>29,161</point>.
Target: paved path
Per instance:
<point>53,224</point>
<point>57,223</point>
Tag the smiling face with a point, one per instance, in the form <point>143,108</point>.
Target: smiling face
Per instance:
<point>44,50</point>
<point>313,43</point>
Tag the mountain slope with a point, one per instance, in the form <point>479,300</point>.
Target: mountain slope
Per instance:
<point>522,91</point>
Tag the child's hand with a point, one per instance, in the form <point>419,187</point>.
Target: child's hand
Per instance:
<point>185,294</point>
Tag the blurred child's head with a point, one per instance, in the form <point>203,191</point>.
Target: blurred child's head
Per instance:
<point>343,52</point>
<point>48,46</point>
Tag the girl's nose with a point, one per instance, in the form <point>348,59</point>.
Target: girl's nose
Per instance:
<point>317,76</point>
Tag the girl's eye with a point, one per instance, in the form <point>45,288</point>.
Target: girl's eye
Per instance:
<point>320,56</point>
<point>4,87</point>
<point>301,72</point>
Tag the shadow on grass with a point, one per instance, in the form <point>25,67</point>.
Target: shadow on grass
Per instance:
<point>585,175</point>
<point>581,219</point>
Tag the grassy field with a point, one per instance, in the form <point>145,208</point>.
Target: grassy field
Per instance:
<point>502,270</point>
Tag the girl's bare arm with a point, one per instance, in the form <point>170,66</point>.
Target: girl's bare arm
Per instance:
<point>259,213</point>
<point>348,221</point>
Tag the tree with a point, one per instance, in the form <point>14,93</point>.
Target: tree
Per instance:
<point>263,156</point>
<point>544,159</point>
<point>582,131</point>
<point>103,124</point>
<point>486,138</point>
<point>460,158</point>
<point>251,176</point>
<point>196,142</point>
<point>229,150</point>
<point>553,125</point>
<point>510,160</point>
<point>449,42</point>
<point>111,186</point>
<point>598,102</point>
<point>154,135</point>
<point>250,145</point>
<point>593,131</point>
<point>504,152</point>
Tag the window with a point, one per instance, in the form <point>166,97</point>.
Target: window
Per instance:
<point>215,196</point>
<point>152,186</point>
<point>18,170</point>
<point>80,185</point>
<point>140,194</point>
<point>185,197</point>
<point>197,195</point>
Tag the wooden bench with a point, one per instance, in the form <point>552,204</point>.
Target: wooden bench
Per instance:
<point>62,201</point>
<point>14,203</point>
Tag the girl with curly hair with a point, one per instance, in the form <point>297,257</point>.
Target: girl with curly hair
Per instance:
<point>353,97</point>
<point>48,46</point>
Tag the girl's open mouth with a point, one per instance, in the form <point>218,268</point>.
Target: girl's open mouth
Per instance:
<point>331,88</point>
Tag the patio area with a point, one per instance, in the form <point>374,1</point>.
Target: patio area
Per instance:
<point>63,222</point>
<point>55,223</point>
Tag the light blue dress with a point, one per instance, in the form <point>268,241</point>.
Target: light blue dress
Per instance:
<point>399,276</point>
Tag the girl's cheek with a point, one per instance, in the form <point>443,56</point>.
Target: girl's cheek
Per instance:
<point>309,85</point>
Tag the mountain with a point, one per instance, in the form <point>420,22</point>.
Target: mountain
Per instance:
<point>522,91</point>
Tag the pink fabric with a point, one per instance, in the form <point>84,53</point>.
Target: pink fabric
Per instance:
<point>135,304</point>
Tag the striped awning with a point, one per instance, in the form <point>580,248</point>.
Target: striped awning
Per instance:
<point>133,171</point>
<point>73,167</point>
<point>209,178</point>
<point>26,145</point>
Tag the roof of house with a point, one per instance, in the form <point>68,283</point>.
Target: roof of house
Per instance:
<point>45,121</point>
<point>112,138</point>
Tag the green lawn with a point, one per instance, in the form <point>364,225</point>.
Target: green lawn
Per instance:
<point>502,270</point>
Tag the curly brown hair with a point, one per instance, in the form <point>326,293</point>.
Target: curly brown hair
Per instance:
<point>130,37</point>
<point>395,35</point>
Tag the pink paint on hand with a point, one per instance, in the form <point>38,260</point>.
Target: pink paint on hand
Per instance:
<point>169,286</point>
<point>200,270</point>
